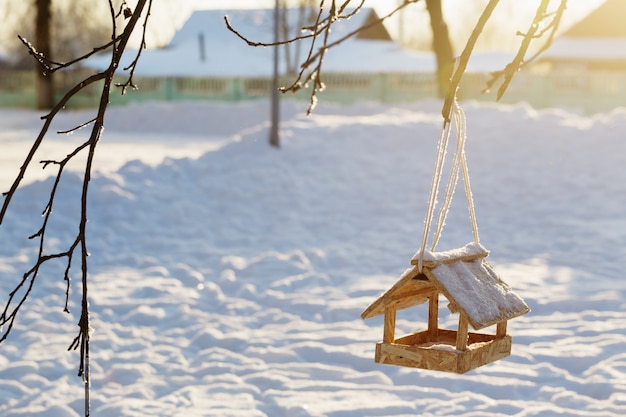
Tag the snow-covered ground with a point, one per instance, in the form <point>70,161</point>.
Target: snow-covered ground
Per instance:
<point>228,277</point>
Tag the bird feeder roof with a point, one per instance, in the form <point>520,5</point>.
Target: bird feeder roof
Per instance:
<point>465,278</point>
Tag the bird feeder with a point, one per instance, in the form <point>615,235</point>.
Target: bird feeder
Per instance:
<point>474,291</point>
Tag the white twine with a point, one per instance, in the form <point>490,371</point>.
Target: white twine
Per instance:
<point>459,163</point>
<point>434,187</point>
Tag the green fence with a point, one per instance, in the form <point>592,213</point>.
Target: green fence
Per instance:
<point>589,92</point>
<point>17,89</point>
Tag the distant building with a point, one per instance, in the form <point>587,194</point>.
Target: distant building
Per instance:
<point>584,68</point>
<point>204,47</point>
<point>596,43</point>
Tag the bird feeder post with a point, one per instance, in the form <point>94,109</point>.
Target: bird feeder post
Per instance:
<point>390,325</point>
<point>433,316</point>
<point>501,329</point>
<point>461,335</point>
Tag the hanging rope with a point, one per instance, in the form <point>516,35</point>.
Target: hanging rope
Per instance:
<point>459,121</point>
<point>470,199</point>
<point>434,186</point>
<point>459,163</point>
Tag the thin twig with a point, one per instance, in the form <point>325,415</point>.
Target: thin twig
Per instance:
<point>53,66</point>
<point>313,62</point>
<point>520,61</point>
<point>519,57</point>
<point>133,65</point>
<point>74,129</point>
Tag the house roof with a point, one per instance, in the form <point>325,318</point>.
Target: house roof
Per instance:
<point>225,55</point>
<point>600,36</point>
<point>258,25</point>
<point>586,49</point>
<point>607,21</point>
<point>204,47</point>
<point>471,285</point>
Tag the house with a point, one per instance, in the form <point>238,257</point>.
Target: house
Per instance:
<point>474,291</point>
<point>584,68</point>
<point>204,47</point>
<point>206,61</point>
<point>596,43</point>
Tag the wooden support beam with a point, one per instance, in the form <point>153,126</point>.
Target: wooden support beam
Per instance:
<point>461,335</point>
<point>390,324</point>
<point>501,329</point>
<point>433,316</point>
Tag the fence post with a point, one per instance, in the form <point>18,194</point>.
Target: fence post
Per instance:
<point>169,85</point>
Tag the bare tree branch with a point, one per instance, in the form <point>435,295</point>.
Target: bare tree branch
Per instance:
<point>464,59</point>
<point>533,32</point>
<point>133,64</point>
<point>311,66</point>
<point>53,66</point>
<point>23,289</point>
<point>320,29</point>
<point>74,129</point>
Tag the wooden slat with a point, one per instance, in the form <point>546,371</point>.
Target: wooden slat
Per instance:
<point>413,291</point>
<point>378,306</point>
<point>461,336</point>
<point>438,360</point>
<point>409,302</point>
<point>487,353</point>
<point>451,360</point>
<point>406,293</point>
<point>410,298</point>
<point>479,337</point>
<point>416,338</point>
<point>390,325</point>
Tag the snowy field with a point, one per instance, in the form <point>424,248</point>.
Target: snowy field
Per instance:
<point>228,278</point>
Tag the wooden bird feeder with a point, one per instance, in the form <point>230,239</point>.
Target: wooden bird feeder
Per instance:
<point>473,290</point>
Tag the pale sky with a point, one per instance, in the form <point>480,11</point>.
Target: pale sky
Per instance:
<point>575,7</point>
<point>509,17</point>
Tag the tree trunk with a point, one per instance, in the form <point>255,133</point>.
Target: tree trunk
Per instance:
<point>275,104</point>
<point>43,17</point>
<point>441,45</point>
